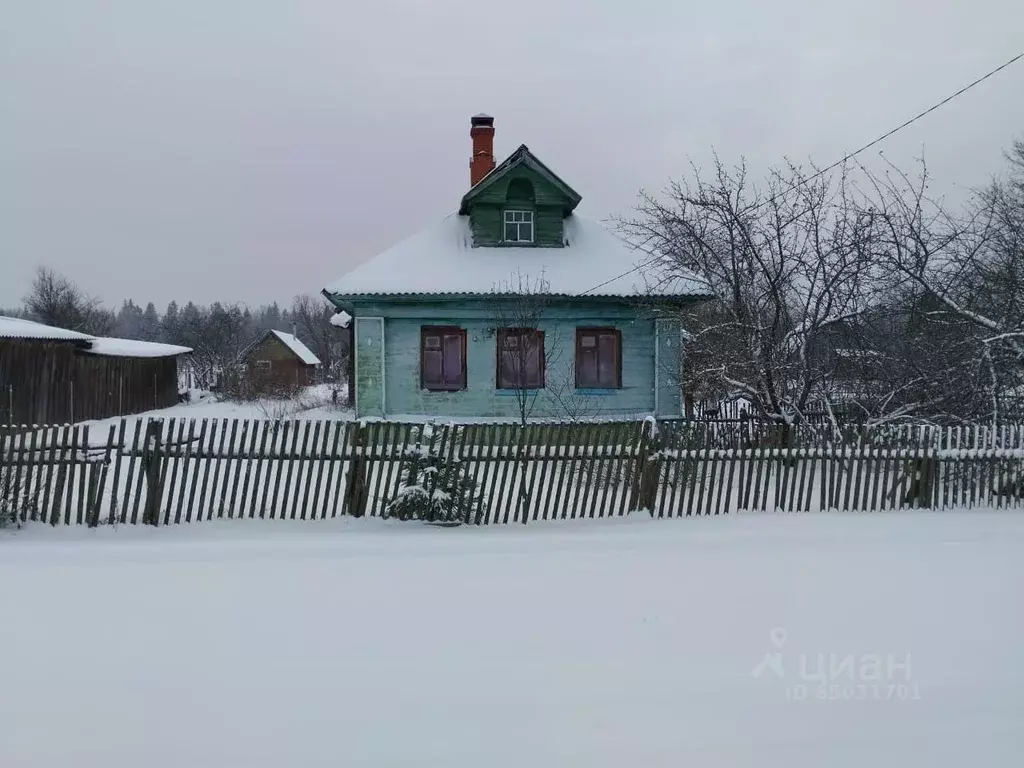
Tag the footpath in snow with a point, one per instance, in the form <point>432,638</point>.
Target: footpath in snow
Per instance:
<point>763,640</point>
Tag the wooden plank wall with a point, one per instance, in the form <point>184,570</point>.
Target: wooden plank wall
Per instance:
<point>54,383</point>
<point>177,471</point>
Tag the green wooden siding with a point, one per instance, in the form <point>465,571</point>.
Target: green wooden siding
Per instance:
<point>549,206</point>
<point>482,398</point>
<point>402,394</point>
<point>544,192</point>
<point>487,224</point>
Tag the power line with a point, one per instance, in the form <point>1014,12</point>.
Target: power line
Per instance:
<point>839,162</point>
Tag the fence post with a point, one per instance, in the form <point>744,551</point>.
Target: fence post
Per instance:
<point>355,485</point>
<point>649,466</point>
<point>151,469</point>
<point>927,473</point>
<point>98,482</point>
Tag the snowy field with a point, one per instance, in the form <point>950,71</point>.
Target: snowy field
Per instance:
<point>881,639</point>
<point>312,403</point>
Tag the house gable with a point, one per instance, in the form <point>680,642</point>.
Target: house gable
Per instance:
<point>278,346</point>
<point>523,184</point>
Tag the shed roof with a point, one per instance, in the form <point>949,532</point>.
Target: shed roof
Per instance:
<point>17,328</point>
<point>441,260</point>
<point>301,351</point>
<point>111,347</point>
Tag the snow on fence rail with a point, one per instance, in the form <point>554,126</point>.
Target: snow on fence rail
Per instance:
<point>161,472</point>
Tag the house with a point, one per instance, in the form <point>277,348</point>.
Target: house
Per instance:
<point>279,361</point>
<point>513,306</point>
<point>52,375</point>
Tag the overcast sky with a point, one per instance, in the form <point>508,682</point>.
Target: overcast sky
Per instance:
<point>249,150</point>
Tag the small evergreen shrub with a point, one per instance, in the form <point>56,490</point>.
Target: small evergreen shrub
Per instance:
<point>435,490</point>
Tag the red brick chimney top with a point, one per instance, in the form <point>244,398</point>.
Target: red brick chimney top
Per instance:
<point>481,131</point>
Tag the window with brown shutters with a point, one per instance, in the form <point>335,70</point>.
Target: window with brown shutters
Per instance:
<point>520,358</point>
<point>598,358</point>
<point>442,358</point>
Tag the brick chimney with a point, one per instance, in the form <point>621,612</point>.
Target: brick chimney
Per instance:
<point>482,162</point>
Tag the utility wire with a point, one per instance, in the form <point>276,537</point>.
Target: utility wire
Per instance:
<point>837,163</point>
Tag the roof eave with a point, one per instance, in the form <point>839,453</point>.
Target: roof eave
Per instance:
<point>348,301</point>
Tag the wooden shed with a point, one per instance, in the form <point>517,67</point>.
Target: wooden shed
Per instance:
<point>54,376</point>
<point>279,361</point>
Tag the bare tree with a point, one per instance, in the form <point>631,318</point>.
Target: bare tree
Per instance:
<point>312,319</point>
<point>787,262</point>
<point>525,354</point>
<point>964,272</point>
<point>218,336</point>
<point>55,300</point>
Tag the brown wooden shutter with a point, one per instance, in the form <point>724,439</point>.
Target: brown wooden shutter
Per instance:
<point>442,358</point>
<point>598,358</point>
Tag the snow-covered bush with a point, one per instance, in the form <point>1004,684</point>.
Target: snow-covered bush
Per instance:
<point>435,489</point>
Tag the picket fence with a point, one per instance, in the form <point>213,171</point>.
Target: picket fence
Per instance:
<point>161,472</point>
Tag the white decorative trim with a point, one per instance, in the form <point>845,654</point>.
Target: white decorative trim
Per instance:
<point>383,362</point>
<point>657,364</point>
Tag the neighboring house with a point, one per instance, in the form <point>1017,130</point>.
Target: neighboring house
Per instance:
<point>54,376</point>
<point>439,326</point>
<point>279,360</point>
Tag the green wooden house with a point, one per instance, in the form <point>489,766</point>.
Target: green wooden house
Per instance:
<point>513,306</point>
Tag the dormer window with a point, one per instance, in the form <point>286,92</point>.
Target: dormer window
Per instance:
<point>518,226</point>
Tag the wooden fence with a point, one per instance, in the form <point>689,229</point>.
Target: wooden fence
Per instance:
<point>161,472</point>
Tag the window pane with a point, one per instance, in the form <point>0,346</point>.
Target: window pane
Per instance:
<point>607,365</point>
<point>433,364</point>
<point>452,364</point>
<point>587,364</point>
<point>508,378</point>
<point>526,233</point>
<point>432,342</point>
<point>511,233</point>
<point>532,364</point>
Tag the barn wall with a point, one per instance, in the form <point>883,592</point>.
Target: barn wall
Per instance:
<point>52,383</point>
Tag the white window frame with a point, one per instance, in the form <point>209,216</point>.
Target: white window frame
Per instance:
<point>525,218</point>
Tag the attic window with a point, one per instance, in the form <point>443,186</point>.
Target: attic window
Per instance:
<point>518,226</point>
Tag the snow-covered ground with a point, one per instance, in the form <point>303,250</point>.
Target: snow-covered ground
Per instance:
<point>313,403</point>
<point>881,639</point>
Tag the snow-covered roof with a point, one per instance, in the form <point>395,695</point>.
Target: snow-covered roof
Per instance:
<point>441,260</point>
<point>110,347</point>
<point>301,350</point>
<point>16,328</point>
